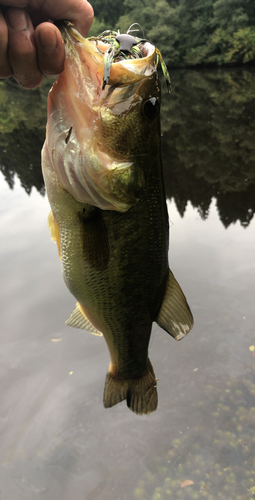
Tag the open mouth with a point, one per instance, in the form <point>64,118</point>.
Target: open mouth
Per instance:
<point>113,50</point>
<point>105,78</point>
<point>117,47</point>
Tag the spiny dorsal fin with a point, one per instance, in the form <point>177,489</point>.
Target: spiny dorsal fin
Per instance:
<point>78,320</point>
<point>175,316</point>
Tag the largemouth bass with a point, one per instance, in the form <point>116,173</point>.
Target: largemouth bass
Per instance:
<point>102,168</point>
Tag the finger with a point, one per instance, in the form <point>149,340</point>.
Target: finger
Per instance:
<point>5,68</point>
<point>79,12</point>
<point>81,16</point>
<point>22,50</point>
<point>50,48</point>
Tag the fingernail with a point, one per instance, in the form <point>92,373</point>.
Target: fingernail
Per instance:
<point>48,39</point>
<point>17,19</point>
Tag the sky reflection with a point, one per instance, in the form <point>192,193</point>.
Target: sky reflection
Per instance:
<point>57,440</point>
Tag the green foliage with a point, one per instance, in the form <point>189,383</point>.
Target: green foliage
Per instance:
<point>108,11</point>
<point>243,46</point>
<point>142,13</point>
<point>16,104</point>
<point>187,32</point>
<point>193,28</point>
<point>233,14</point>
<point>98,27</point>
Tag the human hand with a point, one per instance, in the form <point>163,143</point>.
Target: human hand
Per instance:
<point>30,45</point>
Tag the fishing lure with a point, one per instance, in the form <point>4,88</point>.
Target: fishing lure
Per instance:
<point>125,46</point>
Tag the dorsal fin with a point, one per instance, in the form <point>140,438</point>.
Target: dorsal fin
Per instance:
<point>78,319</point>
<point>174,315</point>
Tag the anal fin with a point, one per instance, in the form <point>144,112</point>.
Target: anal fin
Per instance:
<point>174,315</point>
<point>78,319</point>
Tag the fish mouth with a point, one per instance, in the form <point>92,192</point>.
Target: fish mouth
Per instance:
<point>125,67</point>
<point>86,165</point>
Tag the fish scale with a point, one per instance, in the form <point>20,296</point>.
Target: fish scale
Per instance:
<point>105,148</point>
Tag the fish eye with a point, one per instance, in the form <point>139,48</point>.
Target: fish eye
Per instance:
<point>151,108</point>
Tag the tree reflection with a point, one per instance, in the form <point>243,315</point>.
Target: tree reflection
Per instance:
<point>208,146</point>
<point>22,131</point>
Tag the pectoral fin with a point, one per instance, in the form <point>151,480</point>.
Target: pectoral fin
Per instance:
<point>78,319</point>
<point>174,316</point>
<point>95,239</point>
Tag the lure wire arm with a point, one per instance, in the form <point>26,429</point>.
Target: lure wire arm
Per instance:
<point>125,45</point>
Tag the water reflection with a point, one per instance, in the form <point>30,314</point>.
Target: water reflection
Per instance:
<point>207,143</point>
<point>22,131</point>
<point>192,467</point>
<point>57,441</point>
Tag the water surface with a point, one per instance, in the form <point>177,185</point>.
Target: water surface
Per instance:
<point>57,440</point>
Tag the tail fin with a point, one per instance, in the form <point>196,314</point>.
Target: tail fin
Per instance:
<point>140,393</point>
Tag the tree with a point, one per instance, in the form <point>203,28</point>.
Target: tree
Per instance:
<point>108,11</point>
<point>232,41</point>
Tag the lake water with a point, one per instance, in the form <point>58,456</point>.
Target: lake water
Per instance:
<point>57,440</point>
